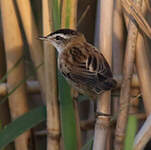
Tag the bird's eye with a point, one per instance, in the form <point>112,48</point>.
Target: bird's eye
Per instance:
<point>58,38</point>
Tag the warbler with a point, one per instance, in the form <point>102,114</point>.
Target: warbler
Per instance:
<point>82,64</point>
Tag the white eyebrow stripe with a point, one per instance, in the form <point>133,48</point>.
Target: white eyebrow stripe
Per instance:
<point>61,35</point>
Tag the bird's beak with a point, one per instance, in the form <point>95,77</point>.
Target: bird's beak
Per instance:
<point>44,38</point>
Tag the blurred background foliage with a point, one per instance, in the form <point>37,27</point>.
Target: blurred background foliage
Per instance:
<point>76,133</point>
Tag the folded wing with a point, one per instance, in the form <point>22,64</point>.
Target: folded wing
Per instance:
<point>89,68</point>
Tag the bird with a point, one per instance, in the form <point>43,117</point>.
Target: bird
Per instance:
<point>82,64</point>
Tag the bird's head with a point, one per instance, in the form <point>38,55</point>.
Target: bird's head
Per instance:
<point>62,37</point>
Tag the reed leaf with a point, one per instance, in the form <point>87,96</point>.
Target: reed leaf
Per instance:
<point>67,116</point>
<point>56,14</point>
<point>21,124</point>
<point>130,132</point>
<point>68,123</point>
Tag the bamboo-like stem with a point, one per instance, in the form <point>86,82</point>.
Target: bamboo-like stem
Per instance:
<point>73,14</point>
<point>14,50</point>
<point>71,22</point>
<point>125,89</point>
<point>143,136</point>
<point>118,38</point>
<point>32,35</point>
<point>104,42</point>
<point>53,123</point>
<point>118,45</point>
<point>143,67</point>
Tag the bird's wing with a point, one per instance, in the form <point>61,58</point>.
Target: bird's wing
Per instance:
<point>88,67</point>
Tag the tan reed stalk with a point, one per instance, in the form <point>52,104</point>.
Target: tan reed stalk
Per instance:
<point>32,38</point>
<point>104,42</point>
<point>72,23</point>
<point>143,67</point>
<point>125,88</point>
<point>14,51</point>
<point>143,136</point>
<point>53,122</point>
<point>117,48</point>
<point>73,14</point>
<point>118,38</point>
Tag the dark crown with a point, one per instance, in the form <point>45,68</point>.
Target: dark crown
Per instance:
<point>65,31</point>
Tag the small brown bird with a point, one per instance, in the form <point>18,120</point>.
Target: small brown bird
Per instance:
<point>83,66</point>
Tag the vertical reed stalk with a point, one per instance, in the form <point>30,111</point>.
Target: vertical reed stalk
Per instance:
<point>118,38</point>
<point>14,51</point>
<point>69,20</point>
<point>125,88</point>
<point>143,67</point>
<point>69,14</point>
<point>104,43</point>
<point>117,47</point>
<point>143,136</point>
<point>53,124</point>
<point>31,32</point>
